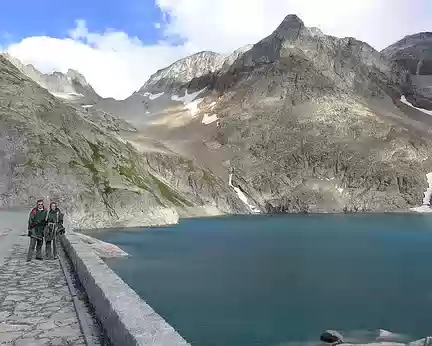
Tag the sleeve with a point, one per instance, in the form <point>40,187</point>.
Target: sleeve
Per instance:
<point>60,221</point>
<point>31,220</point>
<point>44,221</point>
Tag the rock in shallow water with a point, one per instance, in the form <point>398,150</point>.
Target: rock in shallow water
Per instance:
<point>331,337</point>
<point>383,338</point>
<point>102,249</point>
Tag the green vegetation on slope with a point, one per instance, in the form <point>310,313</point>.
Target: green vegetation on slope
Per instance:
<point>170,194</point>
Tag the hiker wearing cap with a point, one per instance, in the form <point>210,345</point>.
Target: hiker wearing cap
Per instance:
<point>36,226</point>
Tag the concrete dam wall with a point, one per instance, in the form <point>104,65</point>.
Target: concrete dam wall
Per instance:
<point>125,317</point>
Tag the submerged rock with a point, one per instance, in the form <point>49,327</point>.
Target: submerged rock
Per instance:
<point>377,344</point>
<point>385,335</point>
<point>379,337</point>
<point>102,249</point>
<point>422,342</point>
<point>331,337</point>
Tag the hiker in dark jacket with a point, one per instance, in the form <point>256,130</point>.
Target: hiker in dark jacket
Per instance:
<point>36,226</point>
<point>53,229</point>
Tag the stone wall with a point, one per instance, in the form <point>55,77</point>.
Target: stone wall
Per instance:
<point>126,318</point>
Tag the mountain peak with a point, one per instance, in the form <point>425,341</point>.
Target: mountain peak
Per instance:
<point>186,69</point>
<point>420,36</point>
<point>292,18</point>
<point>77,77</point>
<point>290,27</point>
<point>71,86</point>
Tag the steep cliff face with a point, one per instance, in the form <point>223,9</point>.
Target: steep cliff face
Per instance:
<point>310,123</point>
<point>71,87</point>
<point>414,53</point>
<point>49,148</point>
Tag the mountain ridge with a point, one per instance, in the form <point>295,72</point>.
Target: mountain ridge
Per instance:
<point>414,53</point>
<point>298,122</point>
<point>99,178</point>
<point>71,86</point>
<point>302,72</point>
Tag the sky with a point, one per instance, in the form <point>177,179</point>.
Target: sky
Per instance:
<point>118,44</point>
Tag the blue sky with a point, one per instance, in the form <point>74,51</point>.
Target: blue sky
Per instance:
<point>117,45</point>
<point>54,18</point>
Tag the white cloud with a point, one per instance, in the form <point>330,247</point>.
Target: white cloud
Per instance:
<point>113,63</point>
<point>116,64</point>
<point>227,24</point>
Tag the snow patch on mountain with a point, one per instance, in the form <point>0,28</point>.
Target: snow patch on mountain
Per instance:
<point>193,106</point>
<point>404,100</point>
<point>242,196</point>
<point>208,119</point>
<point>189,100</point>
<point>428,193</point>
<point>67,96</point>
<point>153,96</point>
<point>426,208</point>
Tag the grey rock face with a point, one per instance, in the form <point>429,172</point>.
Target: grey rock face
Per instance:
<point>331,337</point>
<point>313,123</point>
<point>184,70</point>
<point>49,148</point>
<point>414,53</point>
<point>234,56</point>
<point>318,134</point>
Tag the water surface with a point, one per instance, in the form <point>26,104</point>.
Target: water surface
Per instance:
<point>272,280</point>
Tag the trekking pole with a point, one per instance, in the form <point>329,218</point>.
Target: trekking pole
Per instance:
<point>55,240</point>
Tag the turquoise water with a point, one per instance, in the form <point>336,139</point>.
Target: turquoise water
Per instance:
<point>273,280</point>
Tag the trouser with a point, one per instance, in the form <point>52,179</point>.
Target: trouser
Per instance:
<point>48,244</point>
<point>34,242</point>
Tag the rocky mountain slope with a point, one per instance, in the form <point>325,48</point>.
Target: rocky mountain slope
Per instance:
<point>308,123</point>
<point>414,53</point>
<point>50,148</point>
<point>160,94</point>
<point>298,122</point>
<point>71,87</point>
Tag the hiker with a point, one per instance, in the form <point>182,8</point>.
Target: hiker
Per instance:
<point>53,229</point>
<point>36,225</point>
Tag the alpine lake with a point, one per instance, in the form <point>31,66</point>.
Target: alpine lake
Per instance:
<point>279,280</point>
